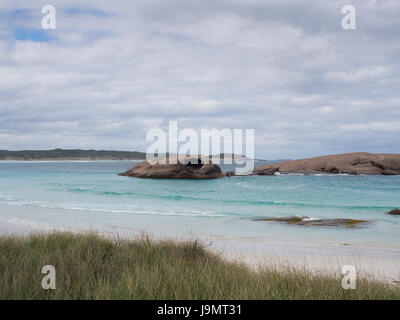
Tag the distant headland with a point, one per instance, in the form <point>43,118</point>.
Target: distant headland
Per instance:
<point>92,155</point>
<point>70,154</point>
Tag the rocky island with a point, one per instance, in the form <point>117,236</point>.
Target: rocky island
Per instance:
<point>348,163</point>
<point>193,168</point>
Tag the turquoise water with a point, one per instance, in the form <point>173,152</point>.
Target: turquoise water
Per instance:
<point>92,195</point>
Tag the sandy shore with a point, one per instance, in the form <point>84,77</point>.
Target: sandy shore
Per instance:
<point>382,263</point>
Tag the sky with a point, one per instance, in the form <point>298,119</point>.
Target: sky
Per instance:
<point>112,70</point>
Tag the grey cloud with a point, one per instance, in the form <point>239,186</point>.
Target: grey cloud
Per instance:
<point>286,68</point>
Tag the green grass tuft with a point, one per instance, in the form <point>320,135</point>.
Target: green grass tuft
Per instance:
<point>91,267</point>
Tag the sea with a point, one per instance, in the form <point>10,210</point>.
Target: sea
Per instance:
<point>79,195</point>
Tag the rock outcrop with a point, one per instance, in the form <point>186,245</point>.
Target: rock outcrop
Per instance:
<point>394,212</point>
<point>307,221</point>
<point>348,163</point>
<point>194,168</point>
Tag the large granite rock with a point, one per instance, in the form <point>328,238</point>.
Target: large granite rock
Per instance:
<point>394,212</point>
<point>348,163</point>
<point>195,168</point>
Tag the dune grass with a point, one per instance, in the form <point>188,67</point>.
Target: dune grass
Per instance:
<point>91,267</point>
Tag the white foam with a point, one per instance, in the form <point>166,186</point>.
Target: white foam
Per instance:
<point>310,219</point>
<point>104,208</point>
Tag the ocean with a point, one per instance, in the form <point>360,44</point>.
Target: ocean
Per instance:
<point>91,196</point>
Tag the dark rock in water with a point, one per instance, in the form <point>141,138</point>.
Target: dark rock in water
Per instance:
<point>230,173</point>
<point>268,171</point>
<point>348,163</point>
<point>394,212</point>
<point>193,168</point>
<point>307,221</point>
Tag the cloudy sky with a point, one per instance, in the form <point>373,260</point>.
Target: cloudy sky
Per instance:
<point>286,68</point>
